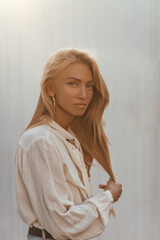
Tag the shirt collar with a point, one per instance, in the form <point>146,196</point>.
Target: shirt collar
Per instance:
<point>67,134</point>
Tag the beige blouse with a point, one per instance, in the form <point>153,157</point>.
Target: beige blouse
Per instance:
<point>52,185</point>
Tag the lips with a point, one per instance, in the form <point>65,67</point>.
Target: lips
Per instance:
<point>81,105</point>
<point>84,104</point>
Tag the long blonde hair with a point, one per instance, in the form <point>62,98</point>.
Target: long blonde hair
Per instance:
<point>91,133</point>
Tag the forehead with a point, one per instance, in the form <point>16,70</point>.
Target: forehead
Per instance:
<point>77,70</point>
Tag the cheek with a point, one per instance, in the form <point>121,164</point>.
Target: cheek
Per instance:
<point>64,95</point>
<point>70,93</point>
<point>90,95</point>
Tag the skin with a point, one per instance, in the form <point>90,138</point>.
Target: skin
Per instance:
<point>74,85</point>
<point>115,188</point>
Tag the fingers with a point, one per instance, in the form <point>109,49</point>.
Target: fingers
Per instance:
<point>110,180</point>
<point>101,186</point>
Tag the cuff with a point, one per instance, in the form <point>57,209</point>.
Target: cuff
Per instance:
<point>109,195</point>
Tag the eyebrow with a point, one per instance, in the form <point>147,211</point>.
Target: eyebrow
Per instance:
<point>78,80</point>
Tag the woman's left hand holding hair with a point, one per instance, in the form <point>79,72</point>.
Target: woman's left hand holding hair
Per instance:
<point>103,186</point>
<point>114,188</point>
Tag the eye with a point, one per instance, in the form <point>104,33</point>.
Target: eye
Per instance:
<point>90,86</point>
<point>72,84</point>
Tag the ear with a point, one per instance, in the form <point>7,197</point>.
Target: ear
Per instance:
<point>50,90</point>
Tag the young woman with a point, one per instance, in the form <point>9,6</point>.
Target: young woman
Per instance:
<point>55,152</point>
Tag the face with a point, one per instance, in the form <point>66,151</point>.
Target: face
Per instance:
<point>73,90</point>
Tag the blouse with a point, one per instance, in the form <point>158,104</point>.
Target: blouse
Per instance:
<point>53,190</point>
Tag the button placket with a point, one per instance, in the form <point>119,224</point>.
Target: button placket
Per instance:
<point>73,142</point>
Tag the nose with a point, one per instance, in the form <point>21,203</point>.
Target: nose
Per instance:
<point>82,92</point>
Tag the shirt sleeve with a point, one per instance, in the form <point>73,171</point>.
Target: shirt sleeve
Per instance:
<point>44,179</point>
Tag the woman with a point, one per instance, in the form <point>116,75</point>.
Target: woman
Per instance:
<point>55,152</point>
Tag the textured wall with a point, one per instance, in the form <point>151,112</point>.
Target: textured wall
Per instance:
<point>125,36</point>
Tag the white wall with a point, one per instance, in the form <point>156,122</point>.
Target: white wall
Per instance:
<point>125,36</point>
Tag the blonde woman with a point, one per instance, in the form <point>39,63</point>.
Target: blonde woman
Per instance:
<point>55,152</point>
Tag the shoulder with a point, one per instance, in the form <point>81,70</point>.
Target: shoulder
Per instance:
<point>34,135</point>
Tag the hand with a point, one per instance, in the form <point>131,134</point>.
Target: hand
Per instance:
<point>114,188</point>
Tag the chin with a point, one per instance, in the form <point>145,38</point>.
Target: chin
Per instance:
<point>79,114</point>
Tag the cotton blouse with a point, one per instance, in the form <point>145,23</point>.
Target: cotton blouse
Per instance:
<point>52,186</point>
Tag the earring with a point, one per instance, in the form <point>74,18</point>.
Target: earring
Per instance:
<point>54,102</point>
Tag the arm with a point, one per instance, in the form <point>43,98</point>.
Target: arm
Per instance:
<point>45,181</point>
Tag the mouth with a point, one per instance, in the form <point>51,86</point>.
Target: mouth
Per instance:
<point>81,105</point>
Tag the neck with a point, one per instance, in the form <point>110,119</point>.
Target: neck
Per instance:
<point>63,121</point>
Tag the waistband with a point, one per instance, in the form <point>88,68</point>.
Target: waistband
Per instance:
<point>38,233</point>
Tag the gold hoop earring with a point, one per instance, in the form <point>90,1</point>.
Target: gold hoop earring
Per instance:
<point>54,101</point>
